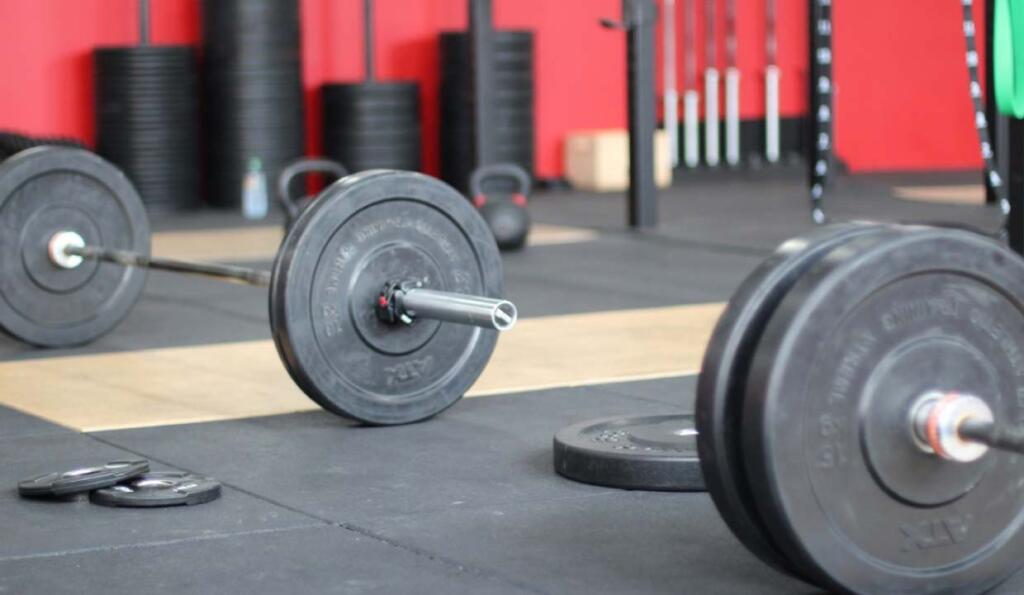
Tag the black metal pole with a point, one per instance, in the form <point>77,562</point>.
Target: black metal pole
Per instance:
<point>639,18</point>
<point>143,22</point>
<point>368,71</point>
<point>1015,184</point>
<point>819,137</point>
<point>998,124</point>
<point>481,31</point>
<point>1006,139</point>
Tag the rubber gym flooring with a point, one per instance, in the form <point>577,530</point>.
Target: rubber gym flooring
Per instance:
<point>614,323</point>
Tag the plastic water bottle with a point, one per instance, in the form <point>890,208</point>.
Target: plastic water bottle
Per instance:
<point>254,191</point>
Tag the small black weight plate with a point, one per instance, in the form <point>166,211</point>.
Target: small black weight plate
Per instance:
<point>836,476</point>
<point>722,383</point>
<point>48,190</point>
<point>83,479</point>
<point>158,489</point>
<point>361,232</point>
<point>650,452</point>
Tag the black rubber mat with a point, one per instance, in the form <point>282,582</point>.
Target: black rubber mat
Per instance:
<point>14,424</point>
<point>323,559</point>
<point>466,502</point>
<point>760,209</point>
<point>619,272</point>
<point>45,528</point>
<point>488,450</point>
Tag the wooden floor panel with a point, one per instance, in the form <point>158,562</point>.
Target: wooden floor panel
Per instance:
<point>237,380</point>
<point>966,194</point>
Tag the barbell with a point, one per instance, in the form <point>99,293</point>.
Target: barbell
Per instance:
<point>859,414</point>
<point>385,295</point>
<point>858,410</point>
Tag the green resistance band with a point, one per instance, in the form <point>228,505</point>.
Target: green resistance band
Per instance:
<point>1008,58</point>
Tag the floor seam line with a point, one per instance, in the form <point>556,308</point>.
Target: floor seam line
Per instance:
<point>162,543</point>
<point>245,491</point>
<point>461,567</point>
<point>600,491</point>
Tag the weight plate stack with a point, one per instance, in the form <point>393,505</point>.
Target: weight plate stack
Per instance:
<point>372,125</point>
<point>147,120</point>
<point>12,143</point>
<point>252,91</point>
<point>514,125</point>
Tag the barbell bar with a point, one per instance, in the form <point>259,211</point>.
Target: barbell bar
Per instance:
<point>68,250</point>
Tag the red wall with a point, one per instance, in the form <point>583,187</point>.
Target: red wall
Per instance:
<point>901,100</point>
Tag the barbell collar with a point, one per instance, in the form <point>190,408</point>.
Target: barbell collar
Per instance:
<point>960,427</point>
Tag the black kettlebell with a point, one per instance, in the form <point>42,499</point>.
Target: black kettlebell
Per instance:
<point>504,211</point>
<point>292,206</point>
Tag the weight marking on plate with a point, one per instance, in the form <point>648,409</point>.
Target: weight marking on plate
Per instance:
<point>829,453</point>
<point>403,372</point>
<point>935,533</point>
<point>331,319</point>
<point>369,232</point>
<point>986,323</point>
<point>904,313</point>
<point>331,311</point>
<point>442,241</point>
<point>620,441</point>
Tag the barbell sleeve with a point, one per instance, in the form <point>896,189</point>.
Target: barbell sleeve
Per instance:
<point>459,308</point>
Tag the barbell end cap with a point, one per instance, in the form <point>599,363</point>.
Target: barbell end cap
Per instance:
<point>505,316</point>
<point>57,249</point>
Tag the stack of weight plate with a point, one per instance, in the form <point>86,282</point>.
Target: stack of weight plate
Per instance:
<point>147,120</point>
<point>372,125</point>
<point>513,95</point>
<point>12,143</point>
<point>252,90</point>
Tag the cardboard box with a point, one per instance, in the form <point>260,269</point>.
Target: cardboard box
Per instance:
<point>598,160</point>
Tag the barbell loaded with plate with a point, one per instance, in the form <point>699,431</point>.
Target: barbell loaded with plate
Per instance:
<point>859,405</point>
<point>384,297</point>
<point>859,413</point>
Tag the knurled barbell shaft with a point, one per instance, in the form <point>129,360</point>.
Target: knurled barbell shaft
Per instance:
<point>136,259</point>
